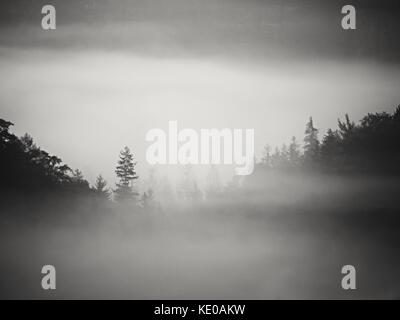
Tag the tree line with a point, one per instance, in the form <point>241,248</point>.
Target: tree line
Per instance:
<point>27,169</point>
<point>372,145</point>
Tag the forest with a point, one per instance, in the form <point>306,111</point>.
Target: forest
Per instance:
<point>370,147</point>
<point>329,200</point>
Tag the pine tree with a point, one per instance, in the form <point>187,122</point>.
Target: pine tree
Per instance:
<point>126,173</point>
<point>330,149</point>
<point>294,153</point>
<point>311,143</point>
<point>100,188</point>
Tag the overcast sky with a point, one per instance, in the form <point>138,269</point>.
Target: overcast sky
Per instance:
<point>114,69</point>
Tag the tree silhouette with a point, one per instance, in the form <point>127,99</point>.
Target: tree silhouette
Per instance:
<point>346,128</point>
<point>100,188</point>
<point>28,173</point>
<point>284,161</point>
<point>370,146</point>
<point>294,153</point>
<point>5,136</point>
<point>77,176</point>
<point>330,149</point>
<point>311,143</point>
<point>78,183</point>
<point>25,166</point>
<point>126,173</point>
<point>396,114</point>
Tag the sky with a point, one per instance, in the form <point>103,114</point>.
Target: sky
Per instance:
<point>112,70</point>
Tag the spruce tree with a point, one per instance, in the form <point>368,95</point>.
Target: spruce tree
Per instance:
<point>294,153</point>
<point>126,173</point>
<point>311,143</point>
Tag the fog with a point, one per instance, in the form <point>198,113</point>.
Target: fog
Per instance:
<point>113,70</point>
<point>287,237</point>
<point>94,103</point>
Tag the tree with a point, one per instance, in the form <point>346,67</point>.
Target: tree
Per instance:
<point>25,167</point>
<point>5,135</point>
<point>78,183</point>
<point>284,161</point>
<point>396,114</point>
<point>266,156</point>
<point>276,158</point>
<point>346,128</point>
<point>311,143</point>
<point>100,188</point>
<point>294,153</point>
<point>28,144</point>
<point>331,149</point>
<point>126,173</point>
<point>77,175</point>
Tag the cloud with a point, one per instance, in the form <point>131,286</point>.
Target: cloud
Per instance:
<point>231,29</point>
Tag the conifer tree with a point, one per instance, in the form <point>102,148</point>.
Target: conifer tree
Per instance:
<point>294,153</point>
<point>126,173</point>
<point>311,143</point>
<point>101,189</point>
